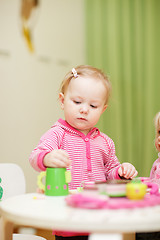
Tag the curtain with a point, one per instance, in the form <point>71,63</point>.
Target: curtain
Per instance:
<point>123,39</point>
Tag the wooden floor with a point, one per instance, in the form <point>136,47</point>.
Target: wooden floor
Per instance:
<point>129,236</point>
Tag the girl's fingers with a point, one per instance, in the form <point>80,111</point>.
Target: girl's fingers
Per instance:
<point>135,174</point>
<point>124,170</point>
<point>127,170</point>
<point>63,157</point>
<point>57,158</point>
<point>120,171</point>
<point>58,163</point>
<point>131,173</point>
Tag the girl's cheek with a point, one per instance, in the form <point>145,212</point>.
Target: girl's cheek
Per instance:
<point>157,144</point>
<point>158,141</point>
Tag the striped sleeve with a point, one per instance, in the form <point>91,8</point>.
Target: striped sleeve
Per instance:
<point>49,141</point>
<point>111,163</point>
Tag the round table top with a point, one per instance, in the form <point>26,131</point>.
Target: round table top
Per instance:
<point>38,210</point>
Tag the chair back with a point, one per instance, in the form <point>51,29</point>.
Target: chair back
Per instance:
<point>27,237</point>
<point>12,183</point>
<point>12,180</point>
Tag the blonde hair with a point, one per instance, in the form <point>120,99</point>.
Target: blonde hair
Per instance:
<point>157,121</point>
<point>86,71</point>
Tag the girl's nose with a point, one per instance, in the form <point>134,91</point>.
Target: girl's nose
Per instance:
<point>84,109</point>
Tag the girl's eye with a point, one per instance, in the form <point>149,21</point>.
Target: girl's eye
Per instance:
<point>93,106</point>
<point>76,102</point>
<point>159,132</point>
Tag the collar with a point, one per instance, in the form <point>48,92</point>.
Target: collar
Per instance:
<point>93,132</point>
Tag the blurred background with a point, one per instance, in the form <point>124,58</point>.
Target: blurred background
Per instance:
<point>40,41</point>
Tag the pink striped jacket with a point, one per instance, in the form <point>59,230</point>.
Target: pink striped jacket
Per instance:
<point>93,155</point>
<point>155,171</point>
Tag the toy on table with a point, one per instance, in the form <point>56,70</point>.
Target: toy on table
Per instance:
<point>56,183</point>
<point>136,190</point>
<point>113,188</point>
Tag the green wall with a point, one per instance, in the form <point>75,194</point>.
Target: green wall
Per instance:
<point>123,39</point>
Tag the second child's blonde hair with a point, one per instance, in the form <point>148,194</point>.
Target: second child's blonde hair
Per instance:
<point>157,121</point>
<point>87,71</point>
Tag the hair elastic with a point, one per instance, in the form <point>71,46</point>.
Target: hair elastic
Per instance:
<point>74,72</point>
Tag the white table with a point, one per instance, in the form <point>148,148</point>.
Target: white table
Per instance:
<point>39,211</point>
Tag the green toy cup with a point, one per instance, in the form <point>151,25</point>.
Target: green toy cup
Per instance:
<point>56,183</point>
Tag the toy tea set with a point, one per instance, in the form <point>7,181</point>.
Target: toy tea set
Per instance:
<point>111,194</point>
<point>116,194</point>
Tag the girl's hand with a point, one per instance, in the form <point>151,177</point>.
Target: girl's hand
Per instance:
<point>157,143</point>
<point>127,171</point>
<point>57,158</point>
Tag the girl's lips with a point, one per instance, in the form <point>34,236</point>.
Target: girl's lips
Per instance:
<point>83,119</point>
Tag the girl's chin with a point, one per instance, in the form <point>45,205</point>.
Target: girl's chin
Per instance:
<point>82,130</point>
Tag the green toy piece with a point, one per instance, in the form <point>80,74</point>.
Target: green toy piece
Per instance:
<point>56,183</point>
<point>1,190</point>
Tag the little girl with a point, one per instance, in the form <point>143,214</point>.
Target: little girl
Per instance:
<point>75,142</point>
<point>154,177</point>
<point>155,171</point>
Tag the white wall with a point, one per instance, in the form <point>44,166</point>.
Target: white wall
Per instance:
<point>29,82</point>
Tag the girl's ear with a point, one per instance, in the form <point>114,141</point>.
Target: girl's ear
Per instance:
<point>61,99</point>
<point>104,108</point>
